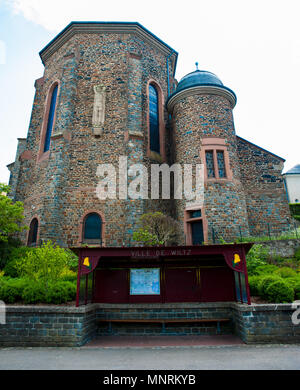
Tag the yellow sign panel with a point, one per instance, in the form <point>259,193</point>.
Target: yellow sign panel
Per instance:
<point>237,258</point>
<point>86,262</point>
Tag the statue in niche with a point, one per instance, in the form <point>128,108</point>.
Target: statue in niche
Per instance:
<point>99,109</point>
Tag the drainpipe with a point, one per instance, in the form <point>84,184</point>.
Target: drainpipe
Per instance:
<point>286,190</point>
<point>168,79</point>
<point>168,72</point>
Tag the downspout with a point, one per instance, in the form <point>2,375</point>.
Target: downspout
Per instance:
<point>286,190</point>
<point>168,72</point>
<point>168,77</point>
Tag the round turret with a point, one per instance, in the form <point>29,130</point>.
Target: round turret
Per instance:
<point>203,132</point>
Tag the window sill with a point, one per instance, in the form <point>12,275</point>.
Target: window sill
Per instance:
<point>217,180</point>
<point>43,156</point>
<point>155,156</point>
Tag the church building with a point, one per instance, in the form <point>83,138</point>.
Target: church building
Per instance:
<point>108,91</point>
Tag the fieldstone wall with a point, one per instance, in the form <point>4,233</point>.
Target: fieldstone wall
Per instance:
<point>59,186</point>
<point>271,323</point>
<point>51,326</point>
<point>61,326</point>
<point>283,248</point>
<point>261,176</point>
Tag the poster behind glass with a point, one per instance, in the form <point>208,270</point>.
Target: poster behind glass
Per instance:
<point>145,281</point>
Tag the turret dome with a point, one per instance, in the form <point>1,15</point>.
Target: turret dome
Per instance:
<point>198,77</point>
<point>203,82</point>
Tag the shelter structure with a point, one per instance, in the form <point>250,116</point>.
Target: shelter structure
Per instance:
<point>208,273</point>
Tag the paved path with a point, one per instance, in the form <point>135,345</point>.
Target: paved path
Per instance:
<point>226,357</point>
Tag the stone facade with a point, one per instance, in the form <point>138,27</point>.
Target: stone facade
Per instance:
<point>120,61</point>
<point>261,175</point>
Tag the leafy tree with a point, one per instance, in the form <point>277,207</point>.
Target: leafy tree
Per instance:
<point>11,215</point>
<point>156,228</point>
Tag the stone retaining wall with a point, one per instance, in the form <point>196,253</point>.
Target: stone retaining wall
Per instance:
<point>283,248</point>
<point>70,326</point>
<point>48,326</point>
<point>270,323</point>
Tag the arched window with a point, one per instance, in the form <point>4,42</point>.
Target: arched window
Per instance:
<point>50,121</point>
<point>92,228</point>
<point>33,232</point>
<point>154,119</point>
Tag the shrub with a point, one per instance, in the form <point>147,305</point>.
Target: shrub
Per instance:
<point>44,264</point>
<point>56,293</point>
<point>292,281</point>
<point>16,254</point>
<point>286,272</point>
<point>291,263</point>
<point>264,283</point>
<point>10,269</point>
<point>279,292</point>
<point>257,256</point>
<point>72,260</point>
<point>11,290</point>
<point>297,290</point>
<point>295,209</point>
<point>253,284</point>
<point>6,249</point>
<point>34,293</point>
<point>61,292</point>
<point>297,254</point>
<point>11,215</point>
<point>68,275</point>
<point>265,269</point>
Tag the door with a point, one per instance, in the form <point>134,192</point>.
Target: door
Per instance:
<point>197,233</point>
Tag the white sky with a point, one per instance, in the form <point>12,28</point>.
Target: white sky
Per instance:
<point>252,46</point>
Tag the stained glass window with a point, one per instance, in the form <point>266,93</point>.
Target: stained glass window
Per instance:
<point>92,227</point>
<point>210,163</point>
<point>221,163</point>
<point>154,119</point>
<point>50,119</point>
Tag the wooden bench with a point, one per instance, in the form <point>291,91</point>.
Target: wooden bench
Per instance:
<point>163,321</point>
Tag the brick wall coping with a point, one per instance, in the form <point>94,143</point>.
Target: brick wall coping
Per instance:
<point>184,305</point>
<point>264,307</point>
<point>40,309</point>
<point>283,240</point>
<point>195,305</point>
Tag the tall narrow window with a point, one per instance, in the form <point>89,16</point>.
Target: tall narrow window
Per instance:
<point>33,231</point>
<point>221,163</point>
<point>50,118</point>
<point>154,119</point>
<point>92,228</point>
<point>209,156</point>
